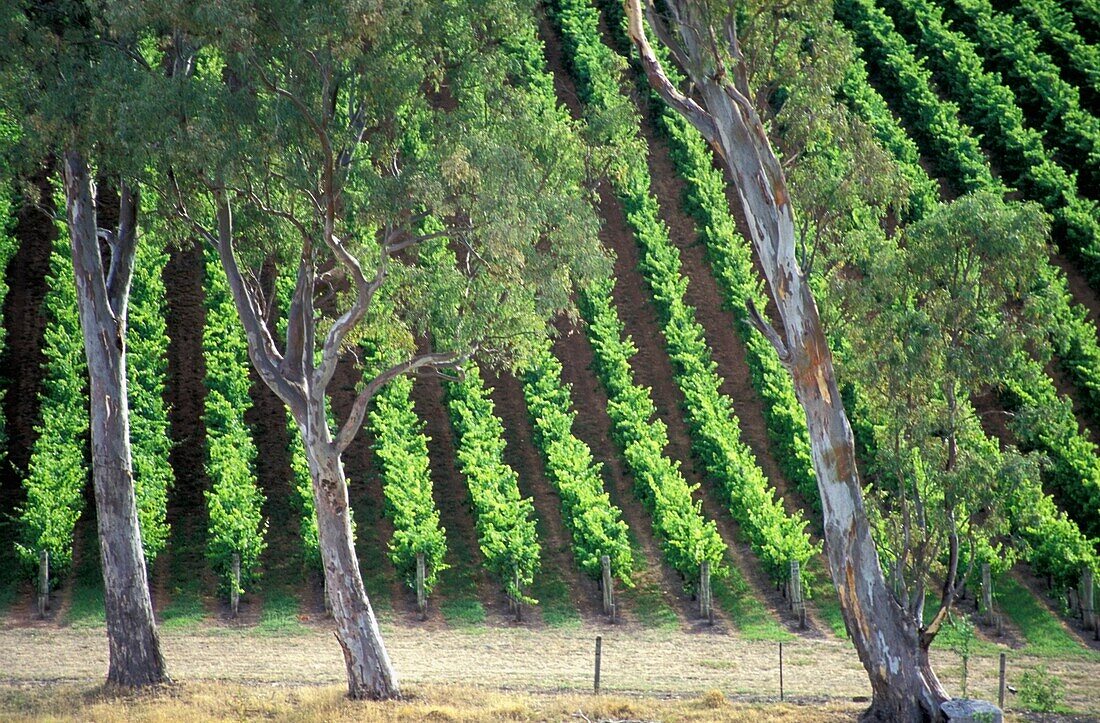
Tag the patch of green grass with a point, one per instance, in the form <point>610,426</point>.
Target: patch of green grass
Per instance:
<point>456,588</point>
<point>280,614</point>
<point>87,608</point>
<point>645,599</point>
<point>750,617</point>
<point>1044,632</point>
<point>828,607</point>
<point>185,607</point>
<point>552,592</point>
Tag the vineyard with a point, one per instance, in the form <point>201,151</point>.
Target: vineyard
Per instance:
<point>641,462</point>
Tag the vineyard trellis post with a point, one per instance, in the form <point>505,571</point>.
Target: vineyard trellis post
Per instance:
<point>235,594</point>
<point>421,597</point>
<point>43,582</point>
<point>605,584</point>
<point>1087,604</point>
<point>705,608</point>
<point>987,594</point>
<point>798,605</point>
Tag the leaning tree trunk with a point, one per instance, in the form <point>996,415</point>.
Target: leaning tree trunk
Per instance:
<point>888,643</point>
<point>370,673</point>
<point>135,657</point>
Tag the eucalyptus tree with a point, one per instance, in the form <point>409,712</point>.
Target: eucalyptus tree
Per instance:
<point>702,36</point>
<point>67,75</point>
<point>941,317</point>
<point>331,135</point>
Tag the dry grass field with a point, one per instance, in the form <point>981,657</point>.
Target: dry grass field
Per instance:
<point>481,673</point>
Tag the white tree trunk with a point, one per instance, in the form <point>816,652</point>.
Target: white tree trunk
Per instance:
<point>890,647</point>
<point>370,673</point>
<point>135,657</point>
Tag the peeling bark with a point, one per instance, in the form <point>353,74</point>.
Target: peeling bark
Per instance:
<point>370,673</point>
<point>102,296</point>
<point>889,645</point>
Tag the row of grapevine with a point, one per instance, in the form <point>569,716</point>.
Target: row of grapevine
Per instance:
<point>505,520</point>
<point>1072,336</point>
<point>146,370</point>
<point>594,524</point>
<point>775,537</point>
<point>1053,544</point>
<point>57,472</point>
<point>688,540</point>
<point>8,247</point>
<point>402,450</point>
<point>234,501</point>
<point>1055,24</point>
<point>991,108</point>
<point>1013,49</point>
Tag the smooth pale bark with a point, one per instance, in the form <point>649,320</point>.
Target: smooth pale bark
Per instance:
<point>370,673</point>
<point>890,647</point>
<point>134,647</point>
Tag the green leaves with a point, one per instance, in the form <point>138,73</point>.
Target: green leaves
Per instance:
<point>57,471</point>
<point>505,521</point>
<point>146,367</point>
<point>402,450</point>
<point>593,522</point>
<point>234,502</point>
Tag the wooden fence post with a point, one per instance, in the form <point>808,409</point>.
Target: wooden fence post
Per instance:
<point>43,582</point>
<point>797,603</point>
<point>1087,607</point>
<point>599,654</point>
<point>421,596</point>
<point>705,608</point>
<point>519,605</point>
<point>781,672</point>
<point>235,595</point>
<point>1001,685</point>
<point>608,592</point>
<point>987,594</point>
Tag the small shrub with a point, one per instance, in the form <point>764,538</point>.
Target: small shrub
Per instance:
<point>714,699</point>
<point>1041,690</point>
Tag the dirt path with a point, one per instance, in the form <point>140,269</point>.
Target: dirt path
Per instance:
<point>24,324</point>
<point>640,661</point>
<point>559,567</point>
<point>176,569</point>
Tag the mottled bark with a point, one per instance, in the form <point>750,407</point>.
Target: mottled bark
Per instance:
<point>369,671</point>
<point>102,296</point>
<point>889,645</point>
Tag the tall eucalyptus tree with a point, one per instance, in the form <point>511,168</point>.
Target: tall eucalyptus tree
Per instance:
<point>327,135</point>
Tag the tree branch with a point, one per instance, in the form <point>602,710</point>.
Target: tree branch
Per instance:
<point>757,320</point>
<point>364,292</point>
<point>359,407</point>
<point>123,250</point>
<point>261,346</point>
<point>701,119</point>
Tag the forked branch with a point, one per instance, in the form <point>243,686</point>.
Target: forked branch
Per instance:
<point>359,407</point>
<point>701,119</point>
